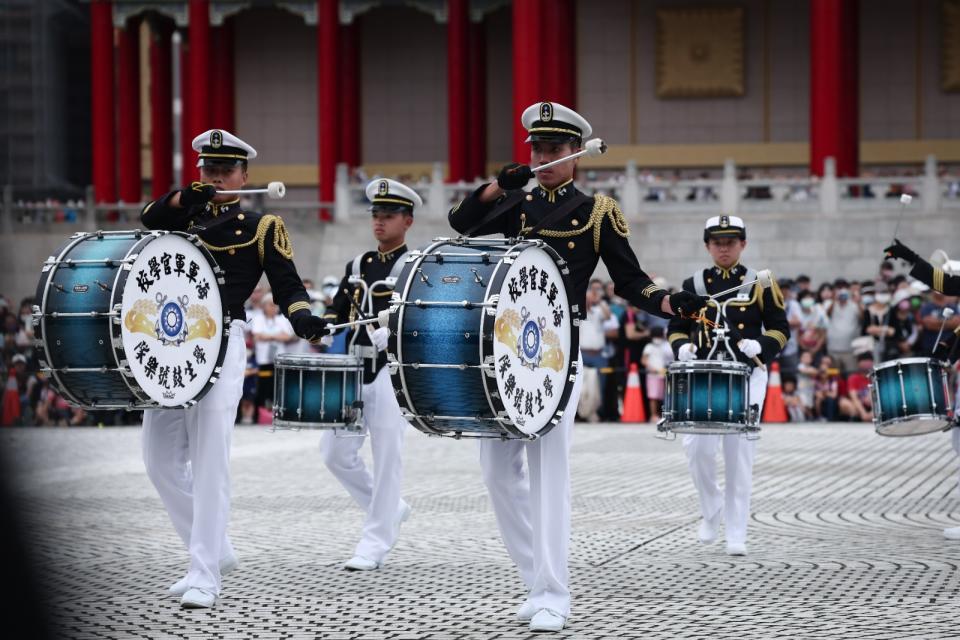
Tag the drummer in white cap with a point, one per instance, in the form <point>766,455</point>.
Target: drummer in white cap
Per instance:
<point>392,208</point>
<point>761,331</point>
<point>187,451</point>
<point>534,514</point>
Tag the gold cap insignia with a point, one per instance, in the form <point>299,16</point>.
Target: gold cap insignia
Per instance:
<point>546,112</point>
<point>383,188</point>
<point>216,139</point>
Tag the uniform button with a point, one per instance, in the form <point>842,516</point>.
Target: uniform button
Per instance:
<point>240,217</point>
<point>740,326</point>
<point>232,251</point>
<point>709,280</point>
<point>741,278</point>
<point>370,259</point>
<point>529,197</point>
<point>238,231</point>
<point>575,222</point>
<point>571,244</point>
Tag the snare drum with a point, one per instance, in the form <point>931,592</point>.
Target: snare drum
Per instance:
<point>708,397</point>
<point>317,391</point>
<point>911,397</point>
<point>483,340</point>
<point>131,320</point>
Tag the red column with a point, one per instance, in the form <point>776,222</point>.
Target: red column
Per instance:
<point>560,47</point>
<point>328,102</point>
<point>102,123</point>
<point>222,111</point>
<point>189,157</point>
<point>457,89</point>
<point>477,99</point>
<point>528,61</point>
<point>197,71</point>
<point>834,85</point>
<point>350,94</point>
<point>128,105</point>
<point>161,109</point>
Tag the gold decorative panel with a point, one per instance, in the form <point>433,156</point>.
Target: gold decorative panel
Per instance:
<point>950,64</point>
<point>700,52</point>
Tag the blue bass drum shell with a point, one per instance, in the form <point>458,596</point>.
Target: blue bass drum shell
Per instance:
<point>73,342</point>
<point>453,401</point>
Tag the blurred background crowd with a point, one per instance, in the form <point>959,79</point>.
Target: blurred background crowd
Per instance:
<point>839,331</point>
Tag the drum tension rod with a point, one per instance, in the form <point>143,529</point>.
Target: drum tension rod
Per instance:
<point>476,275</point>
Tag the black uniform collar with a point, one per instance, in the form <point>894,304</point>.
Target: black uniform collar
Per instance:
<point>558,194</point>
<point>390,254</point>
<point>736,270</point>
<point>226,207</point>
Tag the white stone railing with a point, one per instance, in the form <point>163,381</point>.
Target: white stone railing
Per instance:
<point>639,196</point>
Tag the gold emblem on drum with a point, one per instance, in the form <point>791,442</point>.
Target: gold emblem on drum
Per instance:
<point>507,331</point>
<point>142,318</point>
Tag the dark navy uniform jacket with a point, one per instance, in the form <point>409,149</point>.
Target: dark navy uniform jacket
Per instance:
<point>245,247</point>
<point>594,230</point>
<point>761,318</point>
<point>373,266</point>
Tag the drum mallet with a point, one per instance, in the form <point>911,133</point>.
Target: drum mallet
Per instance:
<point>593,147</point>
<point>764,277</point>
<point>946,313</point>
<point>274,190</point>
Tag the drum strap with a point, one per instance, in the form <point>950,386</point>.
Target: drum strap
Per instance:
<point>558,213</point>
<point>512,199</point>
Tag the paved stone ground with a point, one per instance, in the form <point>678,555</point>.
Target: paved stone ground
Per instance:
<point>845,541</point>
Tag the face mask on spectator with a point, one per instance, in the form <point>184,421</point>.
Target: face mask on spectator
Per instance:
<point>868,299</point>
<point>883,298</point>
<point>807,303</point>
<point>843,294</point>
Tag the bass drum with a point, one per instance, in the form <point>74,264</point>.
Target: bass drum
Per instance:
<point>483,339</point>
<point>131,320</point>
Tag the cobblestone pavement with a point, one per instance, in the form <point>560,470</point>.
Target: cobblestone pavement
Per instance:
<point>845,541</point>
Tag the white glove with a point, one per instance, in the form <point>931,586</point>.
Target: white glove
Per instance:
<point>326,340</point>
<point>379,338</point>
<point>687,352</point>
<point>749,348</point>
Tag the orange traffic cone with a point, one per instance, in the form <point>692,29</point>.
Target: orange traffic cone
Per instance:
<point>774,410</point>
<point>633,409</point>
<point>11,401</point>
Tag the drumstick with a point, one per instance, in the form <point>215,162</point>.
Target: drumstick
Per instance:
<point>946,313</point>
<point>763,277</point>
<point>593,148</point>
<point>275,190</point>
<point>904,201</point>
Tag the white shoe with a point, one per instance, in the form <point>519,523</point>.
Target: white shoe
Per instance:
<point>180,587</point>
<point>526,611</point>
<point>736,548</point>
<point>547,620</point>
<point>952,533</point>
<point>359,563</point>
<point>196,598</point>
<point>707,532</point>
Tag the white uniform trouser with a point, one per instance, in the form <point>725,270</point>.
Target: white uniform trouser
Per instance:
<point>738,453</point>
<point>533,511</point>
<point>955,437</point>
<point>378,494</point>
<point>187,456</point>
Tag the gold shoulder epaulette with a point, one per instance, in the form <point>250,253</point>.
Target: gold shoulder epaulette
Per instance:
<point>281,239</point>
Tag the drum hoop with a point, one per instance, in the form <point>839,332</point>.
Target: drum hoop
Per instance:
<point>340,361</point>
<point>738,426</point>
<point>289,424</point>
<point>396,326</point>
<point>54,375</point>
<point>908,361</point>
<point>496,279</point>
<point>693,366</point>
<point>922,416</point>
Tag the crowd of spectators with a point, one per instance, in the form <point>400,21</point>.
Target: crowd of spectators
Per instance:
<point>839,331</point>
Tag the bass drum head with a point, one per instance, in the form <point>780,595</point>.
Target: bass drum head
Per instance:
<point>534,341</point>
<point>172,321</point>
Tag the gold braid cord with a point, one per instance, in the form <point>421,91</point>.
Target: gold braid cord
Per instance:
<point>281,240</point>
<point>603,207</point>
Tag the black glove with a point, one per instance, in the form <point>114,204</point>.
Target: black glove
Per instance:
<point>902,251</point>
<point>684,303</point>
<point>309,327</point>
<point>514,176</point>
<point>197,194</point>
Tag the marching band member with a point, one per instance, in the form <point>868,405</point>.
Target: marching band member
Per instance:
<point>187,451</point>
<point>534,516</point>
<point>378,495</point>
<point>762,323</point>
<point>948,285</point>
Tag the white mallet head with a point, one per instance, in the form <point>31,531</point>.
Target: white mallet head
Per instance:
<point>595,147</point>
<point>906,198</point>
<point>276,190</point>
<point>765,278</point>
<point>947,312</point>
